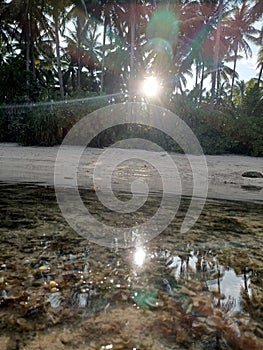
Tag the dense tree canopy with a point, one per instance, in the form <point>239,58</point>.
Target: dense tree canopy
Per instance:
<point>61,49</point>
<point>67,46</point>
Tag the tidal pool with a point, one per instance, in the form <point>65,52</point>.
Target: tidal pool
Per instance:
<point>200,290</point>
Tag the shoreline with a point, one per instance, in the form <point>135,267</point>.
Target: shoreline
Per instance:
<point>36,165</point>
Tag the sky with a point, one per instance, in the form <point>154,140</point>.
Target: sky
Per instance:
<point>247,67</point>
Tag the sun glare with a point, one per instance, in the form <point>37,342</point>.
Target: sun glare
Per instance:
<point>139,256</point>
<point>150,87</point>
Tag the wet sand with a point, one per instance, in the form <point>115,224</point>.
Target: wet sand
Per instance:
<point>36,165</point>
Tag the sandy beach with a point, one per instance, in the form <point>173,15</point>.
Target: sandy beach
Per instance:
<point>196,284</point>
<point>36,165</point>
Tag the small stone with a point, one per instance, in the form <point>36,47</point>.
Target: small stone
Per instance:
<point>43,268</point>
<point>66,339</point>
<point>52,284</point>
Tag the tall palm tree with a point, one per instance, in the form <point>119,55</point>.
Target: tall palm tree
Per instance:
<point>30,21</point>
<point>58,12</point>
<point>84,49</point>
<point>201,39</point>
<point>30,27</point>
<point>124,24</point>
<point>240,30</point>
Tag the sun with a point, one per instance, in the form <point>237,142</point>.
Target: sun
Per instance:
<point>150,87</point>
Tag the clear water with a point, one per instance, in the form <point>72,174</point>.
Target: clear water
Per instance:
<point>202,290</point>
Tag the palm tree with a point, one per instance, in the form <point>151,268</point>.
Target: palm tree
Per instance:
<point>59,13</point>
<point>239,92</point>
<point>223,76</point>
<point>202,41</point>
<point>29,20</point>
<point>84,48</point>
<point>124,27</point>
<point>240,29</point>
<point>28,34</point>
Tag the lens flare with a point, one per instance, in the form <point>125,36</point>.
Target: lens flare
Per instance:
<point>163,24</point>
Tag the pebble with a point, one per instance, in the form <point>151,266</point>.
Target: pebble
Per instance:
<point>43,268</point>
<point>53,284</point>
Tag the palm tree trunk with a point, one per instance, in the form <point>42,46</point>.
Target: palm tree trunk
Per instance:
<point>234,73</point>
<point>57,42</point>
<point>31,49</point>
<point>79,28</point>
<point>196,73</point>
<point>27,42</point>
<point>260,74</point>
<point>79,73</point>
<point>218,83</point>
<point>181,88</point>
<point>201,84</point>
<point>103,56</point>
<point>216,55</point>
<point>213,87</point>
<point>27,49</point>
<point>132,58</point>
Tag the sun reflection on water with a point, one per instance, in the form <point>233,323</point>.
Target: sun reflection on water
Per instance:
<point>139,256</point>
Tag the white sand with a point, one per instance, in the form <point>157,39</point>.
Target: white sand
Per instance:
<point>36,165</point>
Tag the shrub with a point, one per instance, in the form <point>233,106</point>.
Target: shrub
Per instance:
<point>4,130</point>
<point>39,128</point>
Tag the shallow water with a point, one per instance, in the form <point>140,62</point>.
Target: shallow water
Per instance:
<point>200,290</point>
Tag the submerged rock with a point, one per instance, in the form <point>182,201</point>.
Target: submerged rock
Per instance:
<point>166,287</point>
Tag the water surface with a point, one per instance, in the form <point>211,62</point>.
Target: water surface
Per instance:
<point>200,290</point>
